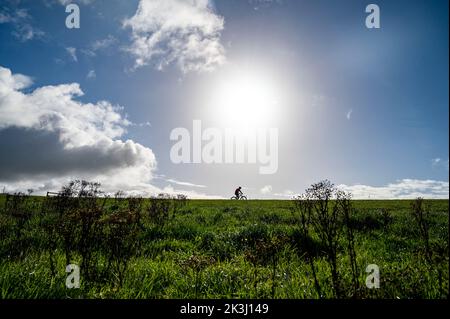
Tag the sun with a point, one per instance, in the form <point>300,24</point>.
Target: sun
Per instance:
<point>245,100</point>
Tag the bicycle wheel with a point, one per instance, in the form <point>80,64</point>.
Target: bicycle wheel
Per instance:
<point>234,197</point>
<point>244,197</point>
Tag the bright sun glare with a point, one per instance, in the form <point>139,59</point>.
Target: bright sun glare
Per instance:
<point>245,100</point>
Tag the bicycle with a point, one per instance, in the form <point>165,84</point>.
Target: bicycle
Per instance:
<point>240,197</point>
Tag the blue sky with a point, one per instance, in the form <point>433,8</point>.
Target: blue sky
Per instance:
<point>365,108</point>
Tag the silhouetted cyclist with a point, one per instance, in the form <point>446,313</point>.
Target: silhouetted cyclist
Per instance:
<point>238,192</point>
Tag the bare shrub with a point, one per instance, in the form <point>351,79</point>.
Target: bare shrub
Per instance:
<point>326,212</point>
<point>325,221</point>
<point>79,211</point>
<point>121,232</point>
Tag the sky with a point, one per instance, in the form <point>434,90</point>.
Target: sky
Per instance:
<point>110,101</point>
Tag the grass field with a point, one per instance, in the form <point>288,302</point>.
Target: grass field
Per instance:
<point>217,249</point>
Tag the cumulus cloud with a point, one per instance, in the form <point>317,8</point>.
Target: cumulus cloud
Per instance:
<point>48,137</point>
<point>181,32</point>
<point>401,189</point>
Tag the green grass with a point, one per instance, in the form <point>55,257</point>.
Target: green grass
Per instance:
<point>219,234</point>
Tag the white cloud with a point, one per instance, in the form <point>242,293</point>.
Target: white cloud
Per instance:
<point>258,4</point>
<point>182,32</point>
<point>349,114</point>
<point>267,189</point>
<point>73,53</point>
<point>170,180</point>
<point>401,189</point>
<point>435,161</point>
<point>100,45</point>
<point>103,43</point>
<point>440,163</point>
<point>21,21</point>
<point>287,194</point>
<point>91,74</point>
